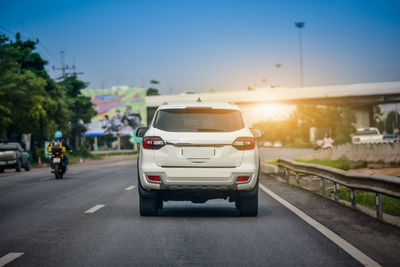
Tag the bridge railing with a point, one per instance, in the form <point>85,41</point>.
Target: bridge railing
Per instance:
<point>379,184</point>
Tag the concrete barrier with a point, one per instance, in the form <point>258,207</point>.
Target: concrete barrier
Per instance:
<point>374,155</point>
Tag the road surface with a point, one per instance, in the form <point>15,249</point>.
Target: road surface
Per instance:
<point>91,218</point>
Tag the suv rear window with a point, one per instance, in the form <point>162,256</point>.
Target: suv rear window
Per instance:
<point>199,120</point>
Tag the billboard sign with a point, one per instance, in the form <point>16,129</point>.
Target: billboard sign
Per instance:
<point>119,110</point>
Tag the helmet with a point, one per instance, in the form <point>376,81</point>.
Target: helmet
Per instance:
<point>58,134</point>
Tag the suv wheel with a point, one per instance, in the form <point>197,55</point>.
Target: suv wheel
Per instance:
<point>18,166</point>
<point>28,166</point>
<point>248,202</point>
<point>148,202</point>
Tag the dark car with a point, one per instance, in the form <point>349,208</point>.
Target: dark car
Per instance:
<point>13,156</point>
<point>390,138</point>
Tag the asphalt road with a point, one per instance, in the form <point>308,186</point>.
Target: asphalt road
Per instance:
<point>45,219</point>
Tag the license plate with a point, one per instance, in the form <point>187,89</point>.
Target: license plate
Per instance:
<point>56,160</point>
<point>198,152</point>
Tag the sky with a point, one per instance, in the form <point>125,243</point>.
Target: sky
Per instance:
<point>221,45</point>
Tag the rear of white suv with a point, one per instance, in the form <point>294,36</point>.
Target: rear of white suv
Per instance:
<point>196,152</point>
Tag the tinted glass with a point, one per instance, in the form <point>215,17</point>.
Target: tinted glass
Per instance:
<point>199,120</point>
<point>8,147</point>
<point>366,132</point>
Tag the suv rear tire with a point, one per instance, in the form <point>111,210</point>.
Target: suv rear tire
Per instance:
<point>248,203</point>
<point>28,167</point>
<point>148,206</point>
<point>18,165</point>
<point>148,202</point>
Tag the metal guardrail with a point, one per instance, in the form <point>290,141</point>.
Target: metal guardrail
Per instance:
<point>379,184</point>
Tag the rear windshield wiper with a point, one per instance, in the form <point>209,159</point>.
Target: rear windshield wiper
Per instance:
<point>209,130</point>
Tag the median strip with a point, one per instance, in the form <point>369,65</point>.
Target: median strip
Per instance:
<point>346,246</point>
<point>95,208</point>
<point>10,257</point>
<point>130,187</point>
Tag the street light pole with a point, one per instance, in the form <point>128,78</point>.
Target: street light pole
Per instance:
<point>300,25</point>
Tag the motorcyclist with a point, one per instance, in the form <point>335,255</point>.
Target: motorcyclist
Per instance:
<point>58,139</point>
<point>133,119</point>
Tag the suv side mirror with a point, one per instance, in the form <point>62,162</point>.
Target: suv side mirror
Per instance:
<point>141,131</point>
<point>257,132</point>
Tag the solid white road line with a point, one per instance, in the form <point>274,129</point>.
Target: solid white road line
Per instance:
<point>10,257</point>
<point>94,209</point>
<point>346,246</point>
<point>130,187</point>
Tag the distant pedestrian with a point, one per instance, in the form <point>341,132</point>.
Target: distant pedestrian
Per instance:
<point>328,142</point>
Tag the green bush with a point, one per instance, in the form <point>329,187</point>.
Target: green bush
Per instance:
<point>343,164</point>
<point>390,205</point>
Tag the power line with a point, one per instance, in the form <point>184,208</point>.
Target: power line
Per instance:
<point>39,42</point>
<point>4,29</point>
<point>65,69</point>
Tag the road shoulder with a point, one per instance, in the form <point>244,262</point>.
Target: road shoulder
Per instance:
<point>376,239</point>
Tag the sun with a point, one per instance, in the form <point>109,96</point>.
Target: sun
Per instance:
<point>274,111</point>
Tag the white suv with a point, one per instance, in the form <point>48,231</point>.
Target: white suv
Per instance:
<point>196,152</point>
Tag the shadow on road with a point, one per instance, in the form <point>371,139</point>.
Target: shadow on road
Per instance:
<point>204,212</point>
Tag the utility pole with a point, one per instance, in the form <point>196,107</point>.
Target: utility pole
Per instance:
<point>64,68</point>
<point>300,25</point>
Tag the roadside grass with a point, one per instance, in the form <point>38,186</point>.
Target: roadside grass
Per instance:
<point>343,164</point>
<point>390,205</point>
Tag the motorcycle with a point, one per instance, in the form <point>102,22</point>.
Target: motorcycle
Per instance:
<point>58,159</point>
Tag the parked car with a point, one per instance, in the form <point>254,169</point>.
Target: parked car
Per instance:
<point>318,144</point>
<point>196,152</point>
<point>277,144</point>
<point>369,135</point>
<point>13,156</point>
<point>390,138</point>
<point>265,144</point>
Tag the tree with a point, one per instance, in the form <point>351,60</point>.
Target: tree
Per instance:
<point>151,90</point>
<point>28,97</point>
<point>32,102</point>
<point>80,108</point>
<point>336,121</point>
<point>392,121</point>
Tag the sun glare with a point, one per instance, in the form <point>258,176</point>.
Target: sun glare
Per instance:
<point>274,111</point>
<point>265,112</point>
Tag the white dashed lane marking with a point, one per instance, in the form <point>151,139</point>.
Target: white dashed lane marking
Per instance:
<point>95,208</point>
<point>346,246</point>
<point>10,257</point>
<point>130,187</point>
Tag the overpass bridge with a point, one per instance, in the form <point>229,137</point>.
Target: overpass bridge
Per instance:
<point>361,97</point>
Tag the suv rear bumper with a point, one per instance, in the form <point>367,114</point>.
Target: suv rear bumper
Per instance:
<point>178,178</point>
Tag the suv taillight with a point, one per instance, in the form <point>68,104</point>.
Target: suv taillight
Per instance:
<point>153,142</point>
<point>243,143</point>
